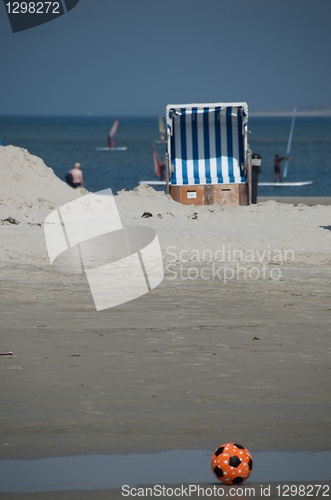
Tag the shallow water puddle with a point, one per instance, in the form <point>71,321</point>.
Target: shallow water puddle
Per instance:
<point>96,472</point>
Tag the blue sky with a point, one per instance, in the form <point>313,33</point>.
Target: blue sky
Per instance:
<point>133,57</point>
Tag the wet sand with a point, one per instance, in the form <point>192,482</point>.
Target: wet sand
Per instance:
<point>188,366</point>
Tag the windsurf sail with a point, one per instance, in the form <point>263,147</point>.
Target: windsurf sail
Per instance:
<point>289,144</point>
<point>162,129</point>
<point>157,162</point>
<point>112,134</point>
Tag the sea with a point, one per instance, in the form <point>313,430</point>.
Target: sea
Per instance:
<point>62,141</point>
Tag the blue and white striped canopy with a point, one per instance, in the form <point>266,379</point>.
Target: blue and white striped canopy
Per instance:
<point>207,143</point>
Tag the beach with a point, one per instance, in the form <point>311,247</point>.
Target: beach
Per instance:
<point>233,345</point>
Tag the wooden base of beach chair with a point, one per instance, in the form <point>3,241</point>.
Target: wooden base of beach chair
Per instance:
<point>224,194</point>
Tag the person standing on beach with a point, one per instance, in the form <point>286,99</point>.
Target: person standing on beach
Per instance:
<point>277,173</point>
<point>77,176</point>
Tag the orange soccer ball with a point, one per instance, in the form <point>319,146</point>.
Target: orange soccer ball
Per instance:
<point>232,463</point>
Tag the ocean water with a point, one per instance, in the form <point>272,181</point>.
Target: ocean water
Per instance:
<point>62,141</point>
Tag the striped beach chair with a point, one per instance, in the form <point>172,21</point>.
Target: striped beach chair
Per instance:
<point>207,153</point>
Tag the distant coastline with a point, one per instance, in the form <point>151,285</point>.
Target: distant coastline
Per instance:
<point>311,113</point>
<point>306,113</point>
<point>271,114</point>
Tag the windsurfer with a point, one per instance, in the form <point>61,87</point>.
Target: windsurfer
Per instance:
<point>277,173</point>
<point>163,171</point>
<point>112,134</point>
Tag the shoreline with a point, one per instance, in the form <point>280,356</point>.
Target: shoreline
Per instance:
<point>296,200</point>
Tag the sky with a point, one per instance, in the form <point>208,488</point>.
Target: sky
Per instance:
<point>133,57</point>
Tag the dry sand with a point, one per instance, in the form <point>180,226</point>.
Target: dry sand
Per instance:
<point>233,345</point>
